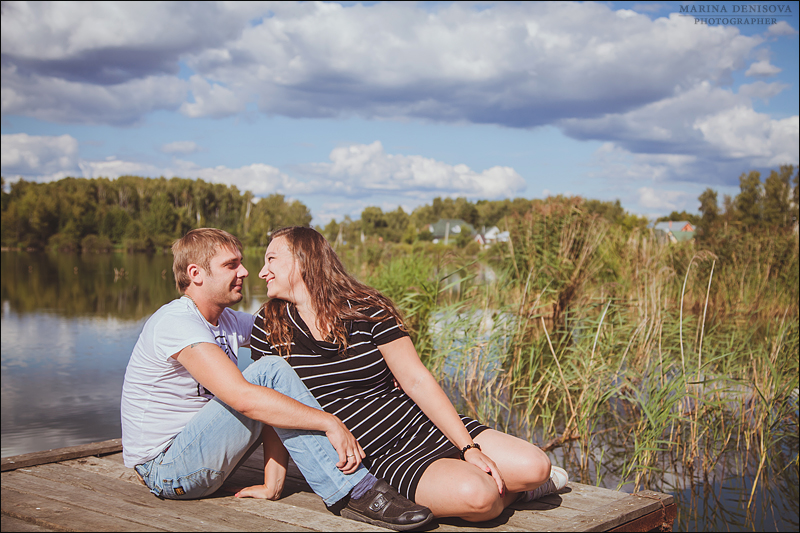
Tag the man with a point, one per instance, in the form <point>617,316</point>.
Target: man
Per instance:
<point>189,416</point>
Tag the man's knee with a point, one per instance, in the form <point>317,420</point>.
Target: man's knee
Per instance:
<point>266,369</point>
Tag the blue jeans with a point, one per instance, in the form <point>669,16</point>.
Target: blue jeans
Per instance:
<point>208,450</point>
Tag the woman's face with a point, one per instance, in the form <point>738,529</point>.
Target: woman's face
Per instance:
<point>281,272</point>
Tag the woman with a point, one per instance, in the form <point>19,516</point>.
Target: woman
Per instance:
<point>348,344</point>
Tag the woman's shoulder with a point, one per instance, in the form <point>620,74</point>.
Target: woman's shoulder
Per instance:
<point>369,313</point>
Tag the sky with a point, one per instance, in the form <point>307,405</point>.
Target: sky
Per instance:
<point>348,105</point>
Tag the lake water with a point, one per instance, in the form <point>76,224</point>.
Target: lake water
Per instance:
<point>69,323</point>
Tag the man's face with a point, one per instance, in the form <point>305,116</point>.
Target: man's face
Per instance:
<point>223,284</point>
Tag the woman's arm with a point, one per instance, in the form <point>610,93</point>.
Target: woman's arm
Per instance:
<point>416,381</point>
<point>276,458</point>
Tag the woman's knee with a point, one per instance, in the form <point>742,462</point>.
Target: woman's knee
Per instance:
<point>481,499</point>
<point>537,464</point>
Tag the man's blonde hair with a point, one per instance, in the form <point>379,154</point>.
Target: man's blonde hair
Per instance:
<point>199,246</point>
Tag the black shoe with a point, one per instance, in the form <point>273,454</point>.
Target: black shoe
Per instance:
<point>383,506</point>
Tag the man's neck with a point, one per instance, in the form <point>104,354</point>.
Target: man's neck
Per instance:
<point>209,311</point>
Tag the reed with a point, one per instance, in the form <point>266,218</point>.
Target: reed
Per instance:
<point>644,365</point>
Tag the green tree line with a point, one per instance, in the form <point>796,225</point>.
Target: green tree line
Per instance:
<point>136,213</point>
<point>400,227</point>
<point>140,213</point>
<point>771,205</point>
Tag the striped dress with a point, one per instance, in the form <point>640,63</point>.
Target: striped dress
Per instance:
<point>399,440</point>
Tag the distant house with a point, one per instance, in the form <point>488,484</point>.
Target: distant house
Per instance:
<point>674,231</point>
<point>449,228</point>
<point>491,236</point>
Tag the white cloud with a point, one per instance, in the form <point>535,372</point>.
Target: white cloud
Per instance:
<point>61,100</point>
<point>113,42</point>
<point>664,126</point>
<point>258,178</point>
<point>762,90</point>
<point>24,154</point>
<point>514,64</point>
<point>598,73</point>
<point>180,147</point>
<point>706,126</point>
<point>52,158</point>
<point>781,28</point>
<point>762,68</point>
<point>366,169</point>
<point>213,100</point>
<point>741,132</point>
<point>619,165</point>
<point>113,168</point>
<point>661,200</point>
<point>357,171</point>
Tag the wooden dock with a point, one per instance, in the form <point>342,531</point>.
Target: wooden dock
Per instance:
<point>87,488</point>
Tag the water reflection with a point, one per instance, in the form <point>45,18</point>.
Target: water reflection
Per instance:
<point>69,323</point>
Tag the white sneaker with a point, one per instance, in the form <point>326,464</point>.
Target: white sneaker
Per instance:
<point>558,480</point>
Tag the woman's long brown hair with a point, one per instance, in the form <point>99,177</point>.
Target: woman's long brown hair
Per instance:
<point>336,295</point>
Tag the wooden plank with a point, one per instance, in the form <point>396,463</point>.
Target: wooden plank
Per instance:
<point>551,513</point>
<point>661,520</point>
<point>662,497</point>
<point>509,520</point>
<point>60,454</point>
<point>116,457</point>
<point>297,507</point>
<point>304,508</point>
<point>281,509</point>
<point>583,497</point>
<point>124,500</point>
<point>617,513</point>
<point>539,516</point>
<point>105,467</point>
<point>44,512</point>
<point>295,493</point>
<point>9,523</point>
<point>567,511</point>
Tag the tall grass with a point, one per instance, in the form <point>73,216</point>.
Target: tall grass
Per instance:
<point>658,360</point>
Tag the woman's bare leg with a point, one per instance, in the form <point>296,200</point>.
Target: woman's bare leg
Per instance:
<point>452,487</point>
<point>523,465</point>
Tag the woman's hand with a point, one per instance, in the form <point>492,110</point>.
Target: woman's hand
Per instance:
<point>276,459</point>
<point>346,445</point>
<point>262,492</point>
<point>476,457</point>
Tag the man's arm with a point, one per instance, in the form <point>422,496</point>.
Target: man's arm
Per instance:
<point>212,368</point>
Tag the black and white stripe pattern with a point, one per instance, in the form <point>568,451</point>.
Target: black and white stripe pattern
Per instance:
<point>399,440</point>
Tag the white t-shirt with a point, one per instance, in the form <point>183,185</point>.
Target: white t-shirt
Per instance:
<point>159,396</point>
